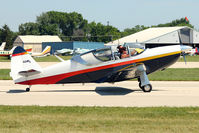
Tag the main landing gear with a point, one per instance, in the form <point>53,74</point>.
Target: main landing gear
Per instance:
<point>28,88</point>
<point>143,80</point>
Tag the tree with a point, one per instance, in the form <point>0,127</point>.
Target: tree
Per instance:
<point>29,29</point>
<point>133,30</point>
<point>63,24</point>
<point>102,33</point>
<point>6,35</point>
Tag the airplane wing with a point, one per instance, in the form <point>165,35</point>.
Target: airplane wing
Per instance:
<point>128,72</point>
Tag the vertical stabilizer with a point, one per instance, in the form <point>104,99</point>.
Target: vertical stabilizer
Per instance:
<point>46,50</point>
<point>22,64</point>
<point>2,47</point>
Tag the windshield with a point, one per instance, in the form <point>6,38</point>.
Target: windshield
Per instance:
<point>104,54</point>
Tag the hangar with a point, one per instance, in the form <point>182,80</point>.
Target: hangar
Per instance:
<point>72,45</point>
<point>161,36</point>
<point>34,42</point>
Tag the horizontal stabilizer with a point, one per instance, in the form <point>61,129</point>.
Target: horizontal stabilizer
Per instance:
<point>29,72</point>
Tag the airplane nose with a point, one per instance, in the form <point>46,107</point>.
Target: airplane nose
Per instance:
<point>185,48</point>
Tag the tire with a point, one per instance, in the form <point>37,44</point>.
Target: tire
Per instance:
<point>147,88</point>
<point>27,89</point>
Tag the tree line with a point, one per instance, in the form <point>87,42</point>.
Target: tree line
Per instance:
<point>73,27</point>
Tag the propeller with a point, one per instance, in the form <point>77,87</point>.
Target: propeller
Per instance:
<point>184,48</point>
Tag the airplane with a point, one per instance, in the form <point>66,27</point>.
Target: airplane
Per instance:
<point>95,66</point>
<point>80,51</point>
<point>193,51</point>
<point>64,52</point>
<point>7,53</point>
<point>45,52</point>
<point>3,45</point>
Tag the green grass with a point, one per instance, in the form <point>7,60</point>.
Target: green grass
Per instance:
<point>170,74</point>
<point>4,74</point>
<point>35,119</point>
<point>41,59</point>
<point>176,74</point>
<point>4,59</point>
<point>51,58</point>
<point>190,59</point>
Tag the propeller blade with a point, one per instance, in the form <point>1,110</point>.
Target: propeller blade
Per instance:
<point>184,56</point>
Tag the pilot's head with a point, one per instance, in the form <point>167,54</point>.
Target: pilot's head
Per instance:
<point>119,46</point>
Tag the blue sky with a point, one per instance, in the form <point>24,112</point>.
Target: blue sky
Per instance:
<point>120,13</point>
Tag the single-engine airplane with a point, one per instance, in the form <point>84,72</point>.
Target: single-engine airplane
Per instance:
<point>96,66</point>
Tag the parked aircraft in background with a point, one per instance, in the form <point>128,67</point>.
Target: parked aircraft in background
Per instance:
<point>45,52</point>
<point>64,52</point>
<point>3,45</point>
<point>96,66</point>
<point>7,53</point>
<point>193,51</point>
<point>80,51</point>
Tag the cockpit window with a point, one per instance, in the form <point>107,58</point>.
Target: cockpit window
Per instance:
<point>103,54</point>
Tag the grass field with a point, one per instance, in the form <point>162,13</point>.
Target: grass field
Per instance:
<point>171,74</point>
<point>34,119</point>
<point>190,59</point>
<point>4,74</point>
<point>176,74</point>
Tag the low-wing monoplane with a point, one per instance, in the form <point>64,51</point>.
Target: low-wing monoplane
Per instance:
<point>96,66</point>
<point>64,52</point>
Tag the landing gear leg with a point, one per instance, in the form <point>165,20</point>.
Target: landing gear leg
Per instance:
<point>28,88</point>
<point>143,80</point>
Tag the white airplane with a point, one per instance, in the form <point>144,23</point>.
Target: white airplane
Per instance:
<point>7,53</point>
<point>45,52</point>
<point>3,45</point>
<point>193,51</point>
<point>80,50</point>
<point>64,52</point>
<point>96,66</point>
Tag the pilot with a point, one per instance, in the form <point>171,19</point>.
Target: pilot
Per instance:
<point>121,50</point>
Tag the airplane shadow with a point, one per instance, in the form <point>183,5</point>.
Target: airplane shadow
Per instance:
<point>113,91</point>
<point>104,91</point>
<point>16,91</point>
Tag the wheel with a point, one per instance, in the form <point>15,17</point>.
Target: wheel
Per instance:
<point>147,88</point>
<point>27,89</point>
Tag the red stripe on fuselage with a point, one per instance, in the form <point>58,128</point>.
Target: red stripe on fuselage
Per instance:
<point>55,78</point>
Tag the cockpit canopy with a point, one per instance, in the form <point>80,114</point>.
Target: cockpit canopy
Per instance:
<point>95,56</point>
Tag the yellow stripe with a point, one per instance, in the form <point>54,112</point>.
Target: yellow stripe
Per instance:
<point>126,68</point>
<point>138,61</point>
<point>47,50</point>
<point>158,56</point>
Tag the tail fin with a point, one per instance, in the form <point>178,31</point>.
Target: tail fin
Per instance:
<point>22,64</point>
<point>2,46</point>
<point>46,50</point>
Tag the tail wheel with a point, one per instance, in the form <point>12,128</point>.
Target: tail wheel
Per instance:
<point>147,88</point>
<point>27,89</point>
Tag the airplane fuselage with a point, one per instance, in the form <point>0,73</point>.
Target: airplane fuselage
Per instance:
<point>114,70</point>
